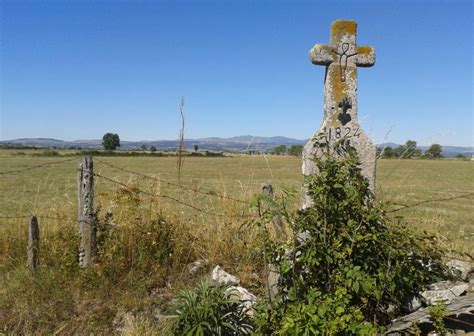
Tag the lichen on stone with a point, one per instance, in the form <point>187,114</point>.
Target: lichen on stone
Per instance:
<point>340,28</point>
<point>365,50</point>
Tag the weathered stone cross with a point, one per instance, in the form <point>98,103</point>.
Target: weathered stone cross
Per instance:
<point>341,58</point>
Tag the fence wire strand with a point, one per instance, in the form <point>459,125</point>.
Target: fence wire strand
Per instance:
<point>402,206</point>
<point>17,171</point>
<point>170,183</point>
<point>161,196</point>
<point>96,223</point>
<point>38,216</point>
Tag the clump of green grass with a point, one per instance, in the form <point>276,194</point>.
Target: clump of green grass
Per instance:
<point>209,309</point>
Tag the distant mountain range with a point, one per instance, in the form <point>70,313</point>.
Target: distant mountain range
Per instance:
<point>238,143</point>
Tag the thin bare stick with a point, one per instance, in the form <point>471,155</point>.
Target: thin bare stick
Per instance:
<point>181,140</point>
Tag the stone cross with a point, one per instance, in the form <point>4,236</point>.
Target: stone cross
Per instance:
<point>341,58</point>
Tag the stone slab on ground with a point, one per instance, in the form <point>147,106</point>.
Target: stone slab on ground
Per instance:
<point>443,291</point>
<point>460,320</point>
<point>222,277</point>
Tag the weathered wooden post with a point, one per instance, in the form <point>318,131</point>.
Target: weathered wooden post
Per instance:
<point>267,190</point>
<point>33,244</point>
<point>87,229</point>
<point>272,271</point>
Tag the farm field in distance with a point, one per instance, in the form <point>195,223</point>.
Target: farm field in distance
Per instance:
<point>51,190</point>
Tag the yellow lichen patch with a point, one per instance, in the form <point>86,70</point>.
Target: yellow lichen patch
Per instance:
<point>339,88</point>
<point>365,50</point>
<point>353,73</point>
<point>342,27</point>
<point>326,48</point>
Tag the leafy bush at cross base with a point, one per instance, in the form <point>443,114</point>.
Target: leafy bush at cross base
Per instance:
<point>209,309</point>
<point>350,272</point>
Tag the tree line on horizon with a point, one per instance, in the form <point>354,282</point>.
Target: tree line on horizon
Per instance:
<point>294,150</point>
<point>409,150</point>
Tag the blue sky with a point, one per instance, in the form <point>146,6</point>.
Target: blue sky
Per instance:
<point>78,69</point>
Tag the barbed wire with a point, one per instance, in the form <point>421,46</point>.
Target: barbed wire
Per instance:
<point>33,215</point>
<point>113,226</point>
<point>161,196</point>
<point>16,171</point>
<point>97,223</point>
<point>16,217</point>
<point>403,206</point>
<point>171,183</point>
<point>100,224</point>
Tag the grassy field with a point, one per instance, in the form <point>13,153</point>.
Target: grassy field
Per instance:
<point>410,182</point>
<point>132,263</point>
<point>51,190</point>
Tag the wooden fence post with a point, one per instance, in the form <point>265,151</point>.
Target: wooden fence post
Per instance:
<point>267,189</point>
<point>87,229</point>
<point>33,245</point>
<point>273,273</point>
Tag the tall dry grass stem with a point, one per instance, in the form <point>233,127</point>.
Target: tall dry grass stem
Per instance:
<point>181,140</point>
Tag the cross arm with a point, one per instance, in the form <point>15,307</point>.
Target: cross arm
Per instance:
<point>365,56</point>
<point>321,54</point>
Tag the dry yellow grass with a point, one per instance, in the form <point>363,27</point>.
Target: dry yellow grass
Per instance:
<point>51,190</point>
<point>132,262</point>
<point>410,182</point>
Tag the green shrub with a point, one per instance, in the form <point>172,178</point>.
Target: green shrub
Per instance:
<point>209,309</point>
<point>437,313</point>
<point>138,243</point>
<point>351,266</point>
